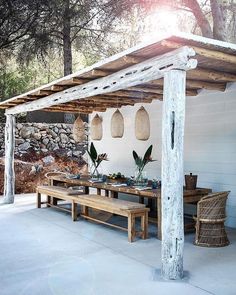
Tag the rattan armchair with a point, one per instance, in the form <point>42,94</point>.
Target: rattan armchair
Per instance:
<point>210,229</point>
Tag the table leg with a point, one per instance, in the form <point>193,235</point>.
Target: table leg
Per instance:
<point>141,200</point>
<point>74,211</point>
<point>50,181</point>
<point>99,191</point>
<point>159,218</point>
<point>150,203</point>
<point>54,201</point>
<point>106,193</point>
<point>38,200</point>
<point>86,190</point>
<point>114,195</point>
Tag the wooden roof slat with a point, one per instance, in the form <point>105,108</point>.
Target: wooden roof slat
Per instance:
<point>209,75</point>
<point>193,84</point>
<point>213,54</point>
<point>216,67</point>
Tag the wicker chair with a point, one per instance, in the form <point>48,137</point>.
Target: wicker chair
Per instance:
<point>210,229</point>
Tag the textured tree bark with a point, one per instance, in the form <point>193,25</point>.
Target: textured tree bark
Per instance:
<point>67,50</point>
<point>219,30</point>
<point>9,175</point>
<point>172,174</point>
<point>201,19</point>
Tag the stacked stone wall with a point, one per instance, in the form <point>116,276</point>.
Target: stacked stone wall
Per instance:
<point>45,138</point>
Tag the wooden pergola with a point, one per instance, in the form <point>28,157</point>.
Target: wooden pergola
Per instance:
<point>168,69</point>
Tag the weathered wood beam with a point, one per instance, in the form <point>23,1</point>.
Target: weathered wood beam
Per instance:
<point>195,84</point>
<point>59,110</point>
<point>73,108</point>
<point>209,75</point>
<point>151,90</point>
<point>73,81</point>
<point>132,94</point>
<point>104,98</point>
<point>151,69</point>
<point>205,85</point>
<point>57,88</point>
<point>172,174</point>
<point>9,174</point>
<point>132,59</point>
<point>96,104</point>
<point>217,55</point>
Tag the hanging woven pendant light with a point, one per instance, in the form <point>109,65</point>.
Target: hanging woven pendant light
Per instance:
<point>117,124</point>
<point>78,130</point>
<point>142,124</point>
<point>96,128</point>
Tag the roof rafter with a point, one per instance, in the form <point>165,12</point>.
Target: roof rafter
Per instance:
<point>146,71</point>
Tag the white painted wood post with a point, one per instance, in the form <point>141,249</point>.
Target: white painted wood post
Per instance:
<point>172,174</point>
<point>9,176</point>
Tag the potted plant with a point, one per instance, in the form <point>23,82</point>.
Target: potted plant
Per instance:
<point>96,160</point>
<point>140,162</point>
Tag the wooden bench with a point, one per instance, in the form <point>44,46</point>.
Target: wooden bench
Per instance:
<point>61,193</point>
<point>128,209</point>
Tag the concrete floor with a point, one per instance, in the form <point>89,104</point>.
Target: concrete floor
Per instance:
<point>44,253</point>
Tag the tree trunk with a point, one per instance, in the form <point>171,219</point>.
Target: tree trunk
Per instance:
<point>9,175</point>
<point>219,30</point>
<point>67,51</point>
<point>201,19</point>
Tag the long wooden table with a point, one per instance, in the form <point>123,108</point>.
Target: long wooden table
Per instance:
<point>189,196</point>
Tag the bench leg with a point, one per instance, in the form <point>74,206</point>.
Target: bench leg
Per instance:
<point>144,225</point>
<point>74,211</point>
<point>38,200</point>
<point>131,227</point>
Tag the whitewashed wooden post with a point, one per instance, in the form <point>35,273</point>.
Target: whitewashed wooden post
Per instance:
<point>172,174</point>
<point>9,177</point>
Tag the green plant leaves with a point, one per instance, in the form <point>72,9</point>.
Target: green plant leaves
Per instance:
<point>142,162</point>
<point>93,152</point>
<point>147,155</point>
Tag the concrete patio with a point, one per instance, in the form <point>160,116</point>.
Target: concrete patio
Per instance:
<point>44,252</point>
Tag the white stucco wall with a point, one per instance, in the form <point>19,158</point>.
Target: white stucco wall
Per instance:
<point>210,142</point>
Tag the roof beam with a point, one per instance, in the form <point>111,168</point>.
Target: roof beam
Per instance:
<point>210,75</point>
<point>225,57</point>
<point>146,71</point>
<point>195,84</point>
<point>152,91</point>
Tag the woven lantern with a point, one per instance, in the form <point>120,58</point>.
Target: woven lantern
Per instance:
<point>117,125</point>
<point>78,130</point>
<point>96,128</point>
<point>142,124</point>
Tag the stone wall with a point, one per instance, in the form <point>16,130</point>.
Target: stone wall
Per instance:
<point>45,138</point>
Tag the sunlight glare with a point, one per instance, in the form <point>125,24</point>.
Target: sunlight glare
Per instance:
<point>160,23</point>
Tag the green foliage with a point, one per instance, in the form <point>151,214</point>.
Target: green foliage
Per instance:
<point>95,157</point>
<point>142,162</point>
<point>93,153</point>
<point>13,82</point>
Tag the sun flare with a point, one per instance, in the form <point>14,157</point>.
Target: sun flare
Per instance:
<point>160,23</point>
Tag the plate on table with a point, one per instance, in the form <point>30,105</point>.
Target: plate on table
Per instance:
<point>73,176</point>
<point>142,188</point>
